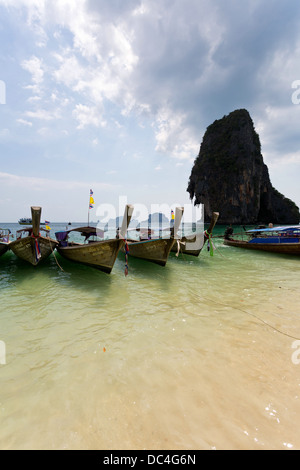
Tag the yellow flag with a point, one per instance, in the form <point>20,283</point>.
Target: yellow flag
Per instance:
<point>91,200</point>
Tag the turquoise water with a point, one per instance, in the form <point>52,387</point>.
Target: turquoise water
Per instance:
<point>200,354</point>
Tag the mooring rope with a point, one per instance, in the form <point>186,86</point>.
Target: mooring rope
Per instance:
<point>55,256</point>
<point>252,315</point>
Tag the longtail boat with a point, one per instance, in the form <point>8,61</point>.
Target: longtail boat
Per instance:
<point>156,250</point>
<point>4,240</point>
<point>28,221</point>
<point>100,254</point>
<point>284,240</point>
<point>193,244</point>
<point>30,245</point>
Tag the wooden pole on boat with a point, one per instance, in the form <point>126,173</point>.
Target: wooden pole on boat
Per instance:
<point>36,220</point>
<point>208,232</point>
<point>126,220</point>
<point>177,221</point>
<point>213,222</point>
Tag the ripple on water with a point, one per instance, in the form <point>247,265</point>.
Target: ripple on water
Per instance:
<point>173,357</point>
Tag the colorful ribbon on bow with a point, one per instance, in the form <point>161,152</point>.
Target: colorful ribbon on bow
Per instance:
<point>126,258</point>
<point>38,254</point>
<point>210,245</point>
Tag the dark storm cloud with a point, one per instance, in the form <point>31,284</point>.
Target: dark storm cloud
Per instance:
<point>207,58</point>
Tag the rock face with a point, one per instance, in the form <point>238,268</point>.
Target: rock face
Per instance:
<point>229,176</point>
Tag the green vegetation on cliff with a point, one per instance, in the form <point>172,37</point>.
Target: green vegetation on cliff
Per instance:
<point>229,175</point>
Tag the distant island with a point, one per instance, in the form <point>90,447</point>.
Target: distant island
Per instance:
<point>155,219</point>
<point>229,176</point>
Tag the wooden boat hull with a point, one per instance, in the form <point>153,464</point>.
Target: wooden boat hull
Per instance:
<point>25,248</point>
<point>283,248</point>
<point>193,245</point>
<point>101,255</point>
<point>183,245</point>
<point>156,250</point>
<point>3,248</point>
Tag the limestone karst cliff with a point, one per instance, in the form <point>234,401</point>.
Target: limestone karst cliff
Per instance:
<point>229,176</point>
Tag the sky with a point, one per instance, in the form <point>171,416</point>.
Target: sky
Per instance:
<point>116,95</point>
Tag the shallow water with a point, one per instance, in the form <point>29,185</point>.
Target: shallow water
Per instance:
<point>196,355</point>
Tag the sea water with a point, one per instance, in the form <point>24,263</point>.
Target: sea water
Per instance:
<point>203,353</point>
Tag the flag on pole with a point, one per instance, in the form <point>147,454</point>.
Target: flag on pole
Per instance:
<point>172,218</point>
<point>91,199</point>
<point>91,202</point>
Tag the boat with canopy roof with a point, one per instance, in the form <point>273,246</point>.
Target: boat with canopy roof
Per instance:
<point>281,239</point>
<point>93,251</point>
<point>4,240</point>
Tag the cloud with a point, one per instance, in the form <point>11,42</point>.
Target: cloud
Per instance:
<point>105,63</point>
<point>175,66</point>
<point>43,114</point>
<point>69,71</point>
<point>24,122</point>
<point>278,127</point>
<point>173,137</point>
<point>87,116</point>
<point>60,199</point>
<point>37,184</point>
<point>34,66</point>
